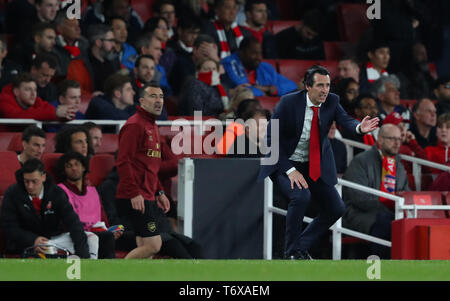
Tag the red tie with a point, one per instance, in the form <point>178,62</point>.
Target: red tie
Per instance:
<point>314,147</point>
<point>37,204</point>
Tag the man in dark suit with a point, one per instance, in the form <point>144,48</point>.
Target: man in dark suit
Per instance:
<point>305,168</point>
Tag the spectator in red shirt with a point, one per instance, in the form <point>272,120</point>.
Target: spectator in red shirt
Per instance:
<point>440,153</point>
<point>20,100</point>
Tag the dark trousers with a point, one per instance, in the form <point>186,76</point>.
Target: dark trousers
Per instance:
<point>331,208</point>
<point>381,229</point>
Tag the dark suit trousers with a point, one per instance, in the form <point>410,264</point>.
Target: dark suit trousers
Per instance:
<point>331,208</point>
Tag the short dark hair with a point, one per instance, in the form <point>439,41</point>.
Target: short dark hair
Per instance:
<point>359,99</point>
<point>189,21</point>
<point>219,3</point>
<point>31,131</point>
<point>247,42</point>
<point>40,27</point>
<point>246,106</point>
<point>114,82</point>
<point>41,58</point>
<point>249,4</point>
<point>309,75</point>
<point>203,38</point>
<point>32,165</point>
<point>152,85</point>
<point>92,125</point>
<point>66,85</point>
<point>152,24</point>
<point>141,57</point>
<point>23,77</point>
<point>111,19</point>
<point>60,170</point>
<point>97,32</point>
<point>144,40</point>
<point>158,4</point>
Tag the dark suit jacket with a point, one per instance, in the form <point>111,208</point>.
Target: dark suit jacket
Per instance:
<point>291,114</point>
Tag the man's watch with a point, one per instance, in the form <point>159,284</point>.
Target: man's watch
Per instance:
<point>160,193</point>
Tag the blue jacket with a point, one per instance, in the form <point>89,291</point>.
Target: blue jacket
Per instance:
<point>102,108</point>
<point>266,75</point>
<point>128,56</point>
<point>291,114</point>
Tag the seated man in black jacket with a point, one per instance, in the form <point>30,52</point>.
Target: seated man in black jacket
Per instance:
<point>35,211</point>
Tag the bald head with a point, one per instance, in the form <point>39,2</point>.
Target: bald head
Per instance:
<point>389,139</point>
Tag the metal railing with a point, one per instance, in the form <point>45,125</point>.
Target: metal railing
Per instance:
<point>337,229</point>
<point>417,163</point>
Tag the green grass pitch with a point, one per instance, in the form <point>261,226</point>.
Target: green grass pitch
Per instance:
<point>222,270</point>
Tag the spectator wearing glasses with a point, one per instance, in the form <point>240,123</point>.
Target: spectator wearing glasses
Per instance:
<point>380,168</point>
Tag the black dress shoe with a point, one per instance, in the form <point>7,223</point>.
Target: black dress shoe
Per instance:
<point>299,255</point>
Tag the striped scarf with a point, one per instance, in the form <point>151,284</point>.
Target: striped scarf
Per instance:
<point>212,78</point>
<point>372,73</point>
<point>224,47</point>
<point>388,179</point>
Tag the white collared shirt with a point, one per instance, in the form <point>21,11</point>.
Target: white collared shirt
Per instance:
<point>301,153</point>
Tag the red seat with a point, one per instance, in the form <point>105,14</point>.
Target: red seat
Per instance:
<point>352,21</point>
<point>280,25</point>
<point>5,139</point>
<point>425,182</point>
<point>268,102</point>
<point>337,50</point>
<point>425,198</point>
<point>9,164</point>
<point>49,160</point>
<point>110,144</point>
<point>296,69</point>
<point>99,167</point>
<point>143,8</point>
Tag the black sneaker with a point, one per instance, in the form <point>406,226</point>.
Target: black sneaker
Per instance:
<point>299,255</point>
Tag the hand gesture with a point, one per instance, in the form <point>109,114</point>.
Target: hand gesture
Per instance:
<point>138,203</point>
<point>368,125</point>
<point>40,241</point>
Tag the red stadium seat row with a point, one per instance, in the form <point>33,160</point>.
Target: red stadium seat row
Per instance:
<point>295,69</point>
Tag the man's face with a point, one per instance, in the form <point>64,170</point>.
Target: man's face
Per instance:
<point>368,108</point>
<point>403,130</point>
<point>258,15</point>
<point>318,93</point>
<point>307,34</point>
<point>380,57</point>
<point>146,70</point>
<point>443,92</point>
<point>74,170</point>
<point>392,96</point>
<point>47,40</point>
<point>107,44</point>
<point>227,13</point>
<point>70,29</point>
<point>34,148</point>
<point>426,113</point>
<point>154,49</point>
<point>80,143</point>
<point>96,138</point>
<point>42,75</point>
<point>121,9</point>
<point>420,54</point>
<point>208,66</point>
<point>48,9</point>
<point>188,35</point>
<point>252,56</point>
<point>127,94</point>
<point>443,133</point>
<point>120,31</point>
<point>26,94</point>
<point>152,101</point>
<point>390,142</point>
<point>72,97</point>
<point>34,182</point>
<point>348,69</point>
<point>168,13</point>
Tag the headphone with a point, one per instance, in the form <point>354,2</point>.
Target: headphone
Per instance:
<point>309,75</point>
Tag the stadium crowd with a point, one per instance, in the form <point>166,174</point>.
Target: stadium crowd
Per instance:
<point>227,59</point>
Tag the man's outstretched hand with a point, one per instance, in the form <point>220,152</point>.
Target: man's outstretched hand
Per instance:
<point>368,125</point>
